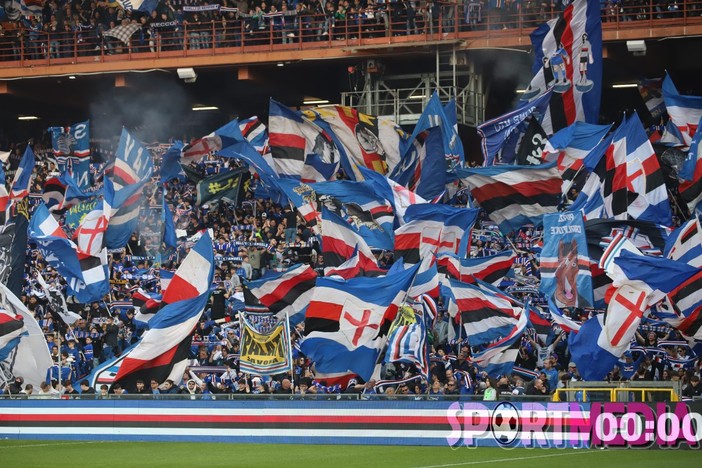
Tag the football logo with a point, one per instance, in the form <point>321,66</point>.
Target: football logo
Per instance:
<point>505,423</point>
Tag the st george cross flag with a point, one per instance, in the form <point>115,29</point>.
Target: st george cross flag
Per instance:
<point>486,318</point>
<point>684,111</point>
<point>515,195</point>
<point>498,358</point>
<point>644,176</point>
<point>288,292</point>
<point>399,196</point>
<point>23,176</point>
<point>187,297</point>
<point>691,175</point>
<point>571,146</point>
<point>454,225</point>
<point>603,339</point>
<point>347,322</point>
<point>86,275</point>
<point>565,264</point>
<point>491,268</point>
<point>496,132</point>
<point>132,169</point>
<point>685,243</point>
<point>568,57</point>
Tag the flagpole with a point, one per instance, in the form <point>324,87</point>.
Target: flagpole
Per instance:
<point>670,194</point>
<point>572,181</point>
<point>290,354</point>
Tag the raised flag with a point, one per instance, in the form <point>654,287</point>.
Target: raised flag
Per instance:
<point>363,140</point>
<point>340,241</point>
<point>71,142</point>
<point>603,339</point>
<point>369,212</point>
<point>491,268</point>
<point>514,196</point>
<point>691,175</point>
<point>86,275</point>
<point>161,346</point>
<point>56,301</point>
<point>573,148</point>
<point>652,94</point>
<point>530,150</point>
<point>568,57</point>
<point>132,170</point>
<point>53,194</point>
<point>498,358</point>
<point>400,197</point>
<point>560,319</point>
<point>4,196</point>
<point>407,339</point>
<point>170,162</point>
<point>255,133</point>
<point>422,167</point>
<point>454,225</point>
<point>13,246</point>
<point>265,351</point>
<point>444,117</point>
<point>486,317</point>
<point>347,322</point>
<point>223,186</point>
<point>685,243</point>
<point>11,331</point>
<point>496,133</point>
<point>299,147</point>
<point>684,111</point>
<point>287,292</point>
<point>645,177</point>
<point>23,177</point>
<point>30,358</point>
<point>565,263</point>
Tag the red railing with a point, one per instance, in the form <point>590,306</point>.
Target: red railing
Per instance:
<point>445,21</point>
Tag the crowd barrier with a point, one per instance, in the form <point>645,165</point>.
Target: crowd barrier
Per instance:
<point>447,21</point>
<point>373,422</point>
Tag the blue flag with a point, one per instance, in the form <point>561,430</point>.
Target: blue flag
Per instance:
<point>132,169</point>
<point>565,264</point>
<point>495,132</point>
<point>169,235</point>
<point>170,162</point>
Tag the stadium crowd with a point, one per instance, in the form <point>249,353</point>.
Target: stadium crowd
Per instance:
<point>91,27</point>
<point>257,236</point>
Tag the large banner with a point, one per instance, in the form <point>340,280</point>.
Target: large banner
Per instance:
<point>265,352</point>
<point>565,266</point>
<point>460,425</point>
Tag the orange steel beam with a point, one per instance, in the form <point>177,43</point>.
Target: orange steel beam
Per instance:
<point>510,38</point>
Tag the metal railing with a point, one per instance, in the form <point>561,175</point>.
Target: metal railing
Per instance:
<point>275,396</point>
<point>612,394</point>
<point>445,22</point>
